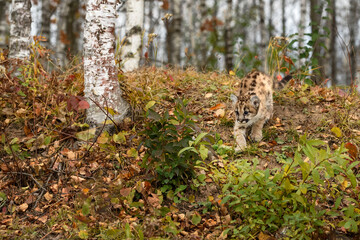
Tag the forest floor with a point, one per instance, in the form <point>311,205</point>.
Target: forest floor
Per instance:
<point>54,184</point>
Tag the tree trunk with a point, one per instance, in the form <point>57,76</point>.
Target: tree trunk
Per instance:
<point>302,30</point>
<point>191,54</point>
<point>283,18</point>
<point>100,72</point>
<point>263,37</point>
<point>4,30</point>
<point>228,36</point>
<point>315,19</point>
<point>203,55</point>
<point>73,26</point>
<point>353,25</point>
<point>62,42</point>
<point>271,26</point>
<point>177,11</point>
<point>20,29</point>
<point>45,22</point>
<point>132,49</point>
<point>332,47</point>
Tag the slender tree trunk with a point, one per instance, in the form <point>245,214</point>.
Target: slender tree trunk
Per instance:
<point>150,47</point>
<point>72,26</point>
<point>100,72</point>
<point>228,36</point>
<point>283,17</point>
<point>177,19</point>
<point>315,18</point>
<point>332,47</point>
<point>169,39</point>
<point>271,26</point>
<point>263,37</point>
<point>4,29</point>
<point>190,33</point>
<point>20,29</point>
<point>354,26</point>
<point>203,36</point>
<point>302,30</point>
<point>63,41</point>
<point>132,49</point>
<point>45,22</point>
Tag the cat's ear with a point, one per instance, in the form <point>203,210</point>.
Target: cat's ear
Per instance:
<point>255,101</point>
<point>233,98</point>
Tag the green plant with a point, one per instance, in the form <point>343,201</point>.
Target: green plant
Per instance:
<point>173,148</point>
<point>299,198</point>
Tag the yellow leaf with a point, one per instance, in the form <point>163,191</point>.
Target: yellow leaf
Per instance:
<point>231,73</point>
<point>336,131</point>
<point>149,105</point>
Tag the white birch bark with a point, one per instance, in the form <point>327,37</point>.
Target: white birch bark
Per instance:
<point>228,36</point>
<point>132,49</point>
<point>100,73</point>
<point>20,29</point>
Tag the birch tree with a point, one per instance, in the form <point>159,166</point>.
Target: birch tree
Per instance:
<point>100,74</point>
<point>62,38</point>
<point>302,30</point>
<point>228,36</point>
<point>20,29</point>
<point>3,24</point>
<point>132,49</point>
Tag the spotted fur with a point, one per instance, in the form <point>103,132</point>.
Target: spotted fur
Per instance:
<point>253,106</point>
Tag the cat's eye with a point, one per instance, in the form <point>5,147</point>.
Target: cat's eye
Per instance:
<point>246,112</point>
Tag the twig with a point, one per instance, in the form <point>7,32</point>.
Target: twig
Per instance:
<point>32,177</point>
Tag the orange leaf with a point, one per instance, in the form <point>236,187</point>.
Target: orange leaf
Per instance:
<point>288,60</point>
<point>218,106</point>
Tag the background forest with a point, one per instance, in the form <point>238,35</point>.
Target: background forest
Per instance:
<point>207,34</point>
<point>116,120</point>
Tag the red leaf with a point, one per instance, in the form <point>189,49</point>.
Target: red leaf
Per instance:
<point>352,149</point>
<point>83,105</point>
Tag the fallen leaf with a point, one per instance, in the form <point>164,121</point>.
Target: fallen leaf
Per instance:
<point>208,95</point>
<point>48,196</point>
<point>125,192</point>
<point>77,179</point>
<point>336,131</point>
<point>43,219</point>
<point>23,207</point>
<point>219,113</point>
<point>218,106</point>
<point>352,150</point>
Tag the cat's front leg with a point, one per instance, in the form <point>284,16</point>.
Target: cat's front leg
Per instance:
<point>240,137</point>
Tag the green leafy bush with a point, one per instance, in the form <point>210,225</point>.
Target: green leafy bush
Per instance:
<point>311,188</point>
<point>173,148</point>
